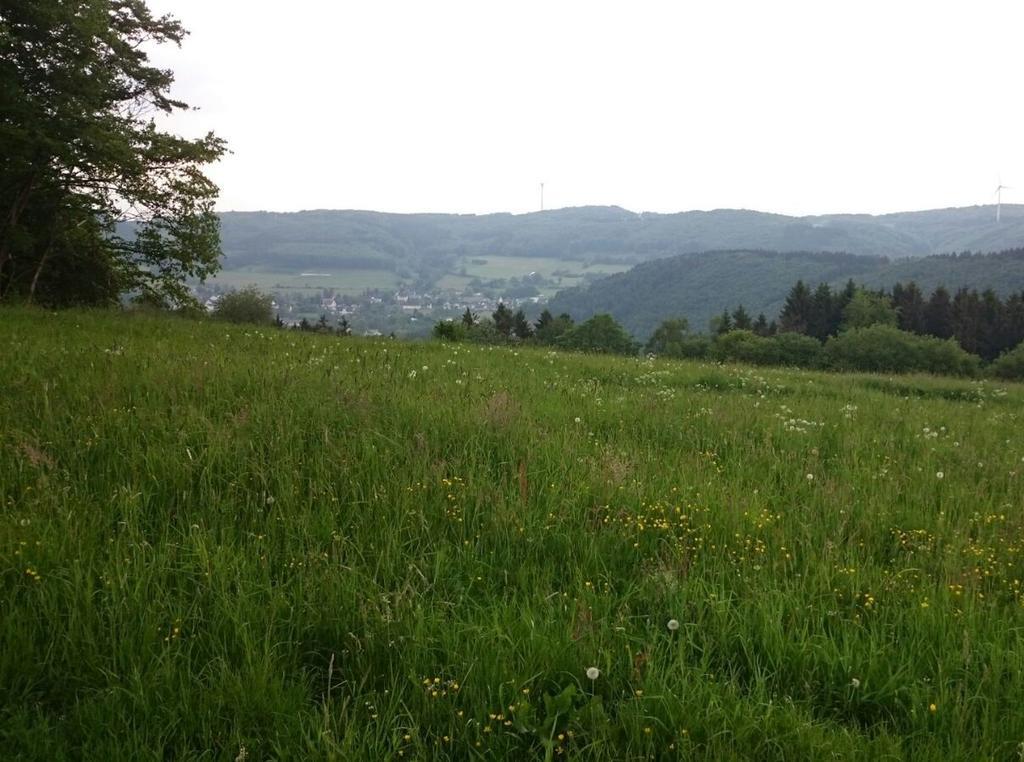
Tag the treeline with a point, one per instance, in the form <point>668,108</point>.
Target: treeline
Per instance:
<point>981,323</point>
<point>852,329</point>
<point>598,334</point>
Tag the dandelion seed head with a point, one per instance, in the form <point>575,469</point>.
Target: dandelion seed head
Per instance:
<point>593,673</point>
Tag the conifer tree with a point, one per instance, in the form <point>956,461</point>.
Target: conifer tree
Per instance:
<point>740,319</point>
<point>796,313</point>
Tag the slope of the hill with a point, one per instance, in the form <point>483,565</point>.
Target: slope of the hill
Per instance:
<point>435,242</point>
<point>700,286</point>
<point>223,542</point>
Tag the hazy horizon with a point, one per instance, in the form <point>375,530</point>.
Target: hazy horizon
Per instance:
<point>1005,206</point>
<point>797,108</point>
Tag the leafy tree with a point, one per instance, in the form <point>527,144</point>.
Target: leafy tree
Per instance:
<point>344,328</point>
<point>486,332</point>
<point>668,338</point>
<point>549,330</point>
<point>247,305</point>
<point>1010,365</point>
<point>81,154</point>
<point>745,346</point>
<point>866,309</point>
<point>599,334</point>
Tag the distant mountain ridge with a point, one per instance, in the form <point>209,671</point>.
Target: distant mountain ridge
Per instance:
<point>428,242</point>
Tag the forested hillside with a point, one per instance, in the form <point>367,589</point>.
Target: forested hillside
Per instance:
<point>699,286</point>
<point>435,242</point>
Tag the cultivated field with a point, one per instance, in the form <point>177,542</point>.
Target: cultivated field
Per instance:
<point>234,543</point>
<point>348,282</point>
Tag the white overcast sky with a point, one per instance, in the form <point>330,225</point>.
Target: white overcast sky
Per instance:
<point>431,105</point>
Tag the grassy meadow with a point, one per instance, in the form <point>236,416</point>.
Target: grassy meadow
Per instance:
<point>229,543</point>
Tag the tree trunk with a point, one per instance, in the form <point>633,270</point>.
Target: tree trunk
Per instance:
<point>12,219</point>
<point>39,269</point>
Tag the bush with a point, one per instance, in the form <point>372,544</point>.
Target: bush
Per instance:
<point>1010,364</point>
<point>694,347</point>
<point>486,332</point>
<point>746,346</point>
<point>449,330</point>
<point>798,350</point>
<point>247,305</point>
<point>882,348</point>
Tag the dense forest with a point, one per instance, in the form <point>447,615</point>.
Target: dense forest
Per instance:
<point>699,287</point>
<point>982,323</point>
<point>426,243</point>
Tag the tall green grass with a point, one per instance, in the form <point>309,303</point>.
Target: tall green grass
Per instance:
<point>230,543</point>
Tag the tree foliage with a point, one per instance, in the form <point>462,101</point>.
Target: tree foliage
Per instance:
<point>248,305</point>
<point>866,309</point>
<point>885,348</point>
<point>599,334</point>
<point>82,155</point>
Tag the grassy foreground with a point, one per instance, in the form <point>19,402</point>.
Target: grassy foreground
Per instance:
<point>229,543</point>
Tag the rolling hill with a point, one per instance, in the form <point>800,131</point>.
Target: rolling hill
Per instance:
<point>427,245</point>
<point>698,286</point>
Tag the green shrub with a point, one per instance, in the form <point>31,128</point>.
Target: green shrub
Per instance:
<point>693,346</point>
<point>746,346</point>
<point>449,330</point>
<point>1010,364</point>
<point>883,348</point>
<point>247,305</point>
<point>798,350</point>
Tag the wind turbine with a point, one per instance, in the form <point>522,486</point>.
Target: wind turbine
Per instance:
<point>999,197</point>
